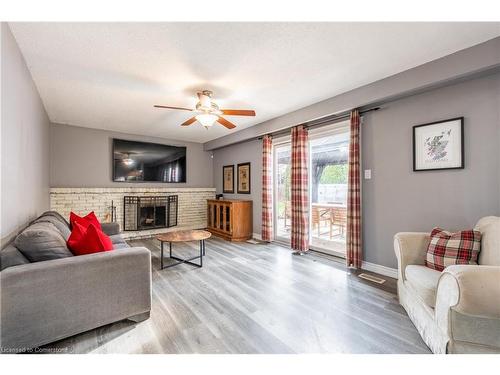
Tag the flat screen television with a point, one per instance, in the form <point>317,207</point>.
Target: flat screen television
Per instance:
<point>148,162</point>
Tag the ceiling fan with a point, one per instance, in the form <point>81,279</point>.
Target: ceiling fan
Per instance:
<point>209,112</point>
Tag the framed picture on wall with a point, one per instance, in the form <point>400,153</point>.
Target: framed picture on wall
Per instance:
<point>244,178</point>
<point>439,145</point>
<point>228,179</point>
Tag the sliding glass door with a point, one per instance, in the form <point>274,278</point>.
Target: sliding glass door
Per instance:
<point>328,152</point>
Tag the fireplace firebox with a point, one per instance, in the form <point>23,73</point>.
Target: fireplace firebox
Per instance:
<point>142,213</point>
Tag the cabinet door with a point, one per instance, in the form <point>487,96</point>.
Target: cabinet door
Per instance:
<point>209,217</point>
<point>224,218</point>
<point>228,218</point>
<point>217,215</point>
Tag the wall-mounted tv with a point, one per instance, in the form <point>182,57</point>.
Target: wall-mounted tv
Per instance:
<point>148,162</point>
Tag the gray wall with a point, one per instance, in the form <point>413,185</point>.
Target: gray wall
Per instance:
<point>396,198</point>
<point>25,142</point>
<point>82,157</point>
<point>232,155</point>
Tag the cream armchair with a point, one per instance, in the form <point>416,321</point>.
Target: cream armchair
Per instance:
<point>457,310</point>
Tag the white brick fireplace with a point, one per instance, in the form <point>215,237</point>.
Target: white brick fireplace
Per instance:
<point>192,204</point>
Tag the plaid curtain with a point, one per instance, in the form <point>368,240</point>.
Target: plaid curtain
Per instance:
<point>267,189</point>
<point>353,242</point>
<point>300,190</point>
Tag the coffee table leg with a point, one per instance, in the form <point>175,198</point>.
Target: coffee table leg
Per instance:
<point>180,260</point>
<point>201,252</point>
<point>161,256</point>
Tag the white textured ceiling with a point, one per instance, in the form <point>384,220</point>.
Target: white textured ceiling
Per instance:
<point>109,75</point>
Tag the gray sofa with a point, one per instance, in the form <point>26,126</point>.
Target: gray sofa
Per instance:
<point>45,301</point>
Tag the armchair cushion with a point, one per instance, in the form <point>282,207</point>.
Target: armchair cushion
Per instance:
<point>424,282</point>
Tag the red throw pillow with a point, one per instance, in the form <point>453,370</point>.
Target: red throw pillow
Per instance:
<point>77,233</point>
<point>446,249</point>
<point>84,221</point>
<point>88,241</point>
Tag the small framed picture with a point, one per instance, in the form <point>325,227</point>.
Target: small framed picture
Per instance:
<point>439,145</point>
<point>244,178</point>
<point>228,179</point>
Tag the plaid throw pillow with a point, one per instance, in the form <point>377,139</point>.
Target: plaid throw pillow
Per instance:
<point>446,249</point>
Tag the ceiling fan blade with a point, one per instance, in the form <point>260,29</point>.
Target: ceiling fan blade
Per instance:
<point>189,122</point>
<point>238,112</point>
<point>168,107</point>
<point>224,122</point>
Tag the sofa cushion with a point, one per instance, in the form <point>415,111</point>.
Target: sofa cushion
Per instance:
<point>57,215</point>
<point>10,256</point>
<point>120,246</point>
<point>110,228</point>
<point>423,281</point>
<point>490,240</point>
<point>88,240</point>
<point>42,241</point>
<point>61,226</point>
<point>117,239</point>
<point>446,249</point>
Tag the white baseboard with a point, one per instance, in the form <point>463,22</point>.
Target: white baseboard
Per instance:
<point>381,270</point>
<point>257,236</point>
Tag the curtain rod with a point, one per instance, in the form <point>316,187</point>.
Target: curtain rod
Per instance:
<point>322,121</point>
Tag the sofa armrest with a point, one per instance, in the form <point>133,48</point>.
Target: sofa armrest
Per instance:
<point>470,289</point>
<point>468,305</point>
<point>110,228</point>
<point>410,248</point>
<point>46,301</point>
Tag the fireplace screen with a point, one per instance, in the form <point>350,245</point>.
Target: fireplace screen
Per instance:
<point>141,213</point>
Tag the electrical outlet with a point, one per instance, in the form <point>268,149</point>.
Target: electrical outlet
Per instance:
<point>368,174</point>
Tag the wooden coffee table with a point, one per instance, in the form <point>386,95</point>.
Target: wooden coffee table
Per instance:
<point>183,236</point>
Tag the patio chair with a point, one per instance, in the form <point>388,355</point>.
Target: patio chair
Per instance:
<point>338,219</point>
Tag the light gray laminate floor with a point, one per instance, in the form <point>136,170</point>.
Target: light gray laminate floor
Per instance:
<point>258,299</point>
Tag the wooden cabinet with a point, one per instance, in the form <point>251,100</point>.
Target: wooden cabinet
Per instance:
<point>230,219</point>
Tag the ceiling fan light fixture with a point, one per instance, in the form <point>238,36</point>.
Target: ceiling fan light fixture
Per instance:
<point>207,119</point>
<point>209,112</point>
<point>205,101</point>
